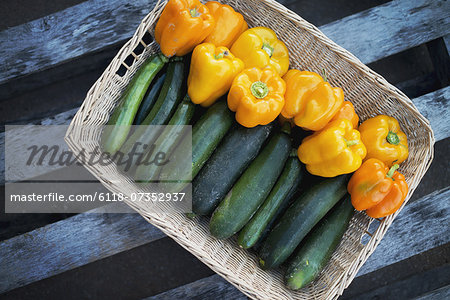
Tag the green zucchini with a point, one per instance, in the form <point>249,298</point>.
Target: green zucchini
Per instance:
<point>208,132</point>
<point>206,135</point>
<point>168,139</point>
<point>303,181</point>
<point>288,181</point>
<point>252,187</point>
<point>162,110</point>
<point>299,219</point>
<point>149,100</point>
<point>225,165</point>
<point>119,123</point>
<point>316,250</point>
<point>169,96</point>
<point>173,177</point>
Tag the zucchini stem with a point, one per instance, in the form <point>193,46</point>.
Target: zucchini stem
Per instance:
<point>286,128</point>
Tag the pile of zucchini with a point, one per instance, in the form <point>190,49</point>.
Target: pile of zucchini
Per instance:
<point>248,180</point>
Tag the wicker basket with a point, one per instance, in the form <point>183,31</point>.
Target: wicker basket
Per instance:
<point>309,50</point>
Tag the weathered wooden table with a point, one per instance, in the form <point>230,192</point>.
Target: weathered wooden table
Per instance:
<point>48,64</point>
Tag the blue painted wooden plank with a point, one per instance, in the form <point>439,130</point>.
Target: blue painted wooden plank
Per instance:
<point>418,228</point>
<point>439,294</point>
<point>447,43</point>
<point>70,243</point>
<point>63,118</point>
<point>390,28</point>
<point>435,106</point>
<point>67,34</point>
<point>407,287</point>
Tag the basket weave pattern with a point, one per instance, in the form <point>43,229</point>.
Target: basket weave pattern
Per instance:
<point>309,50</point>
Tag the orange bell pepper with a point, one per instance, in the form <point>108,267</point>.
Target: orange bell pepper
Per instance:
<point>377,189</point>
<point>257,96</point>
<point>229,24</point>
<point>310,100</point>
<point>183,24</point>
<point>347,111</point>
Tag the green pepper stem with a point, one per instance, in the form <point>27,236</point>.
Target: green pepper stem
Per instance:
<point>393,138</point>
<point>324,75</point>
<point>221,55</point>
<point>194,13</point>
<point>392,171</point>
<point>269,49</point>
<point>351,143</point>
<point>259,89</point>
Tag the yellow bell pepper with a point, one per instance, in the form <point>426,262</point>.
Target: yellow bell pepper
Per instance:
<point>384,140</point>
<point>183,24</point>
<point>256,96</point>
<point>259,47</point>
<point>229,24</point>
<point>310,100</point>
<point>335,150</point>
<point>211,73</point>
